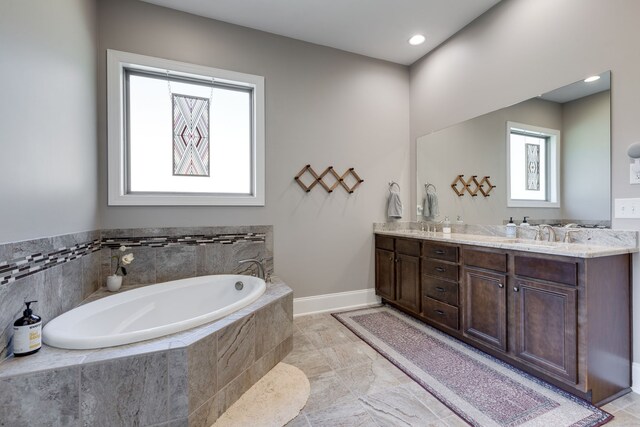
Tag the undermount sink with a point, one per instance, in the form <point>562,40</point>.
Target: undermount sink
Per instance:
<point>529,242</point>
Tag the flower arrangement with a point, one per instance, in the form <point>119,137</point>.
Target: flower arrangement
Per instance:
<point>122,261</point>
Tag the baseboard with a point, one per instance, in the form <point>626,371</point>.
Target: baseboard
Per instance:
<point>635,377</point>
<point>334,302</point>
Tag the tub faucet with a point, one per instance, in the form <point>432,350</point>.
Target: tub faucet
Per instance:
<point>552,232</point>
<point>258,264</point>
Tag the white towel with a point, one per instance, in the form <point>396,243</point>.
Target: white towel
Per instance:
<point>394,209</point>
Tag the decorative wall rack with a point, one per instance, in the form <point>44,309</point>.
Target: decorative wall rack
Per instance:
<point>339,179</point>
<point>483,186</point>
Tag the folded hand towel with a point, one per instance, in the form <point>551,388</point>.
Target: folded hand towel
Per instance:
<point>432,200</point>
<point>426,208</point>
<point>394,209</point>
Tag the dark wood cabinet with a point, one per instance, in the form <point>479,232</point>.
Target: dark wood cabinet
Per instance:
<point>408,282</point>
<point>564,319</point>
<point>385,274</point>
<point>546,327</point>
<point>397,266</point>
<point>485,307</point>
<point>440,285</point>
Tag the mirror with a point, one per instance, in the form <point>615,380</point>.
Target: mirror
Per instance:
<point>576,117</point>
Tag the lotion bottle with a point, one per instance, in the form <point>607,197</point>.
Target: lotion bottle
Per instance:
<point>511,228</point>
<point>27,333</point>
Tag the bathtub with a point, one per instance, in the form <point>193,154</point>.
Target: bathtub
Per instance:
<point>151,311</point>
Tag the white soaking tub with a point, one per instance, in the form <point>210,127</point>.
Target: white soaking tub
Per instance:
<point>151,311</point>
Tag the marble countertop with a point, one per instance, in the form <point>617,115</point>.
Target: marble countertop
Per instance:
<point>578,250</point>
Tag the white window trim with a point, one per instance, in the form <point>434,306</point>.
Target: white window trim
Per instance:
<point>553,185</point>
<point>117,61</point>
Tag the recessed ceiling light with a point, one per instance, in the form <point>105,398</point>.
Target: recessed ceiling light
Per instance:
<point>417,39</point>
<point>591,79</point>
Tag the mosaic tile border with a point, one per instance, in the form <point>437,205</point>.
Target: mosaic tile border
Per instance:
<point>37,262</point>
<point>197,239</point>
<point>10,271</point>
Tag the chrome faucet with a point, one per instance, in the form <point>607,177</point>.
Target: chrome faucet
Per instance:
<point>552,232</point>
<point>258,263</point>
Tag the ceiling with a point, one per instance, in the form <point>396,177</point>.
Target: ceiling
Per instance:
<point>375,28</point>
<point>579,89</point>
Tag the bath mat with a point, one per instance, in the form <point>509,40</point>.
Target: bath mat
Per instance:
<point>271,402</point>
<point>481,389</point>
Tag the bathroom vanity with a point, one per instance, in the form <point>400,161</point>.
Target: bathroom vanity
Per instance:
<point>561,312</point>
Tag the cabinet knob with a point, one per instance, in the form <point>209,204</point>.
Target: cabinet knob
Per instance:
<point>396,260</point>
<point>500,285</point>
<point>516,289</point>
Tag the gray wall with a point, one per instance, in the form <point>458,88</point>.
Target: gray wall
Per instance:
<point>324,107</point>
<point>555,43</point>
<point>48,118</point>
<point>586,125</point>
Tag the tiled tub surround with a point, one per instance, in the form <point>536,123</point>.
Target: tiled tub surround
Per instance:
<point>163,254</point>
<point>61,271</point>
<point>585,242</point>
<point>188,378</point>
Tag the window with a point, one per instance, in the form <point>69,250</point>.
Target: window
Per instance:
<point>533,158</point>
<point>182,134</point>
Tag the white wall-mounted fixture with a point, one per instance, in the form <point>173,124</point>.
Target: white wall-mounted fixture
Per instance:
<point>634,152</point>
<point>417,39</point>
<point>591,79</point>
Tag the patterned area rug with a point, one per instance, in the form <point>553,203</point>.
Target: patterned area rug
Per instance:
<point>481,389</point>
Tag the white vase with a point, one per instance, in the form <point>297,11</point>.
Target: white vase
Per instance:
<point>114,282</point>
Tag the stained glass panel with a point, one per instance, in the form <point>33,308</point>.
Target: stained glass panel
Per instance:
<point>190,135</point>
<point>533,167</point>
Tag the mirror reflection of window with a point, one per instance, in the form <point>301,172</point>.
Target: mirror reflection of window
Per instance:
<point>532,152</point>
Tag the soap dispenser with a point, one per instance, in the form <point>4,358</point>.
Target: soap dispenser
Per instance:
<point>446,225</point>
<point>511,228</point>
<point>524,222</point>
<point>27,333</point>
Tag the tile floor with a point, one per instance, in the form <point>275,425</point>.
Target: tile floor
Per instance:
<point>352,385</point>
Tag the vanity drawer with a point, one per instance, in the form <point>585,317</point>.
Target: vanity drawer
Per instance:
<point>547,269</point>
<point>408,247</point>
<point>440,290</point>
<point>489,260</point>
<point>442,270</point>
<point>384,242</point>
<point>440,312</point>
<point>443,252</point>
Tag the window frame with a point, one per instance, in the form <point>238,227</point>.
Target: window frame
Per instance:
<point>117,162</point>
<point>552,166</point>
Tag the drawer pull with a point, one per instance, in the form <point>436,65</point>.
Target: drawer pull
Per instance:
<point>515,289</point>
<point>440,289</point>
<point>500,285</point>
<point>439,251</point>
<point>439,312</point>
<point>440,269</point>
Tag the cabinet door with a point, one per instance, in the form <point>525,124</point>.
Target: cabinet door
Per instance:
<point>546,327</point>
<point>408,282</point>
<point>485,308</point>
<point>385,274</point>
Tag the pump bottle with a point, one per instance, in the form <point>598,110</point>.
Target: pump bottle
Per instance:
<point>27,333</point>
